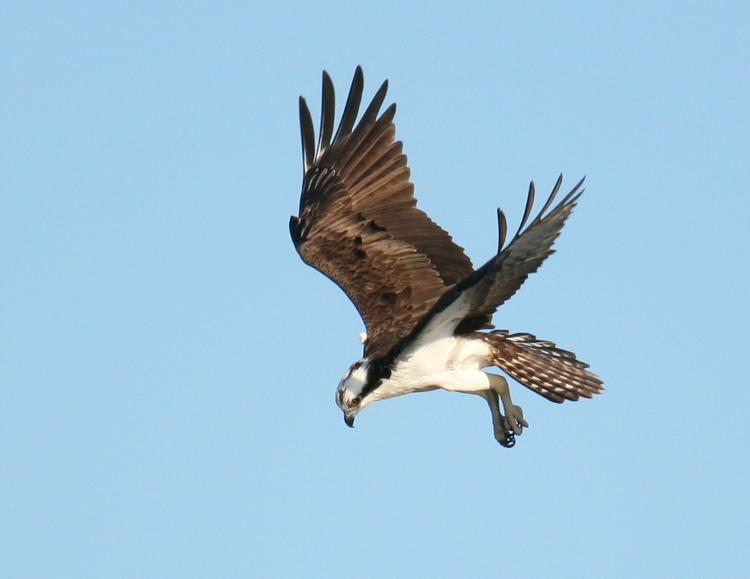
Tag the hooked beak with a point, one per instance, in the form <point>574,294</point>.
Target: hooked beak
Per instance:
<point>349,419</point>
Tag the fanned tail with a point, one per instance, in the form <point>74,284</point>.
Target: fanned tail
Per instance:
<point>541,366</point>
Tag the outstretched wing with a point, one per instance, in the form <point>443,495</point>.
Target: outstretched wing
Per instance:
<point>469,305</point>
<point>358,222</point>
<point>498,279</point>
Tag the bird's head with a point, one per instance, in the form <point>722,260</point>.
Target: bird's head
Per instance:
<point>349,393</point>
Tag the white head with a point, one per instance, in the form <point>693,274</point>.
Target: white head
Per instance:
<point>349,393</point>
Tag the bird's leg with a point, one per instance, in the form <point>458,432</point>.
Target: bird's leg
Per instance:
<point>513,422</point>
<point>493,389</point>
<point>504,436</point>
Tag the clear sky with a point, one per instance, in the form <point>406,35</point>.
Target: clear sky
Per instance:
<point>168,365</point>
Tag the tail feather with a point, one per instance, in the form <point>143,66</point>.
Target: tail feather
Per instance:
<point>541,366</point>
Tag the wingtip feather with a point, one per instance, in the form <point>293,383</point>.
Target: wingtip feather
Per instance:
<point>502,229</point>
<point>527,209</point>
<point>307,133</point>
<point>353,101</point>
<point>371,112</point>
<point>327,112</point>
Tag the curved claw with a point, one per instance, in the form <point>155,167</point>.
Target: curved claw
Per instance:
<point>509,441</point>
<point>514,421</point>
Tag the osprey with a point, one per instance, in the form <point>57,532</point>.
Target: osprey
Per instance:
<point>426,310</point>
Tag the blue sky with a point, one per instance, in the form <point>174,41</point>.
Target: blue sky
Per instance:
<point>168,364</point>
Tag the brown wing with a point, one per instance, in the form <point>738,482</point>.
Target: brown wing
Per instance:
<point>497,280</point>
<point>358,223</point>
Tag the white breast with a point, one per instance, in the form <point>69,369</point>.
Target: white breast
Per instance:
<point>452,362</point>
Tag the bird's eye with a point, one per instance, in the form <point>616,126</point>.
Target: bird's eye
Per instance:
<point>355,401</point>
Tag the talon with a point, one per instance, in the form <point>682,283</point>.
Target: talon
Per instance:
<point>510,440</point>
<point>514,420</point>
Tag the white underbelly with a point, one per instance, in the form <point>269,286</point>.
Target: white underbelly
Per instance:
<point>434,364</point>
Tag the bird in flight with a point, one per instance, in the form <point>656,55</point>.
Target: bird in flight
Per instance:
<point>426,310</point>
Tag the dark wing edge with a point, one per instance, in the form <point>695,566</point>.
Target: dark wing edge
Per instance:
<point>497,280</point>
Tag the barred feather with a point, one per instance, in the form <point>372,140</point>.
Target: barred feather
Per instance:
<point>541,366</point>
